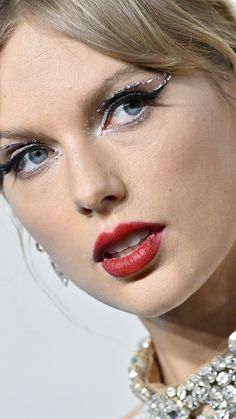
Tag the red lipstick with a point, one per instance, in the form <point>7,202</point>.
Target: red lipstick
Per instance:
<point>135,261</point>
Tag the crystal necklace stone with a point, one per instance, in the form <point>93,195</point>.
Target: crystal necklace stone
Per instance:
<point>212,387</point>
<point>232,342</point>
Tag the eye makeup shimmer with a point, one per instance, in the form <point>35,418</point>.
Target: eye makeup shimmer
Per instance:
<point>129,86</point>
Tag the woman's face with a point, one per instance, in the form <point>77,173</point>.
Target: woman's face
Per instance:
<point>175,166</point>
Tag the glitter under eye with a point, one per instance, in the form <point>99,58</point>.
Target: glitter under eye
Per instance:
<point>130,100</point>
<point>130,86</point>
<point>123,101</point>
<point>20,157</point>
<point>139,92</point>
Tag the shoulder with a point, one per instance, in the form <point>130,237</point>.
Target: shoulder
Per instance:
<point>134,412</point>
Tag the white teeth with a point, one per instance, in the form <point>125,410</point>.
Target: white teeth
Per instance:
<point>134,239</point>
<point>126,252</point>
<point>130,241</point>
<point>122,245</point>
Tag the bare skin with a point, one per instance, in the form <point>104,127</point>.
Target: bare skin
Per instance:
<point>185,152</point>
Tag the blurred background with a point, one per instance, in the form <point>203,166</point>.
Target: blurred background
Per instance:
<point>63,355</point>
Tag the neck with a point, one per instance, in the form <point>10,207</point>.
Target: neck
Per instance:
<point>190,335</point>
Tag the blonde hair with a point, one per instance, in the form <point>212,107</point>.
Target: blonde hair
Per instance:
<point>178,36</point>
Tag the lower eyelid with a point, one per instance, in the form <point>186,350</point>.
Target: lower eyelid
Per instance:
<point>34,172</point>
<point>146,102</point>
<point>21,174</point>
<point>110,113</point>
<point>144,116</point>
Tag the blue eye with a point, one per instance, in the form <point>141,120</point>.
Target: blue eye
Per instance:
<point>126,113</point>
<point>34,157</point>
<point>133,108</point>
<point>127,109</point>
<point>28,160</point>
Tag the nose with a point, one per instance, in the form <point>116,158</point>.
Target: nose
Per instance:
<point>95,187</point>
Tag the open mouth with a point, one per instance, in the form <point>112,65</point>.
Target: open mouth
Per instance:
<point>134,258</point>
<point>125,249</point>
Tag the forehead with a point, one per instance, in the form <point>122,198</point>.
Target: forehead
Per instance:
<point>40,69</point>
<point>38,51</point>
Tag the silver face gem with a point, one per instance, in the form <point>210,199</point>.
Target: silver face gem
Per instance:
<point>166,76</point>
<point>9,146</point>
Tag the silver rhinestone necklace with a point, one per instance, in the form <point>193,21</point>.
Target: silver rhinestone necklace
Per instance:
<point>213,386</point>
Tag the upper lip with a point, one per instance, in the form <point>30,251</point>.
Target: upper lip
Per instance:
<point>107,239</point>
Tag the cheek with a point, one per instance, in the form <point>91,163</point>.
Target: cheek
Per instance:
<point>192,178</point>
<point>54,223</point>
<point>189,164</point>
<point>50,217</point>
<point>183,177</point>
<point>38,206</point>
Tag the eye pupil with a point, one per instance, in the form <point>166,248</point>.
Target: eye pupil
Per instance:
<point>133,107</point>
<point>37,156</point>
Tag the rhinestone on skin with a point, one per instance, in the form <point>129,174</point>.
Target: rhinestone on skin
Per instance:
<point>166,77</point>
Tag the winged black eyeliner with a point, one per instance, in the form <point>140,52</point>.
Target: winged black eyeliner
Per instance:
<point>124,92</point>
<point>5,168</point>
<point>119,97</point>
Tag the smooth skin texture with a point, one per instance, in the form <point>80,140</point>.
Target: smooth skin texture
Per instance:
<point>177,168</point>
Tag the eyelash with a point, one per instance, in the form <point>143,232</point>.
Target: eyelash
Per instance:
<point>110,105</point>
<point>108,108</point>
<point>21,150</point>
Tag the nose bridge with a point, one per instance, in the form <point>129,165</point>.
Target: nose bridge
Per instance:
<point>92,181</point>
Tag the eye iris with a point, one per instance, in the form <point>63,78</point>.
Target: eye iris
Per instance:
<point>133,108</point>
<point>35,156</point>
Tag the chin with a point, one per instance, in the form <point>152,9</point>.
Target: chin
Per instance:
<point>159,293</point>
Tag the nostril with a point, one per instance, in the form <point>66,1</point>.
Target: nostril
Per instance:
<point>111,197</point>
<point>85,211</point>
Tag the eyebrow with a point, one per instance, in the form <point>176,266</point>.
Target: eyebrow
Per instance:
<point>96,96</point>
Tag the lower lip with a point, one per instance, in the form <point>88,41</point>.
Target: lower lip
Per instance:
<point>137,260</point>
